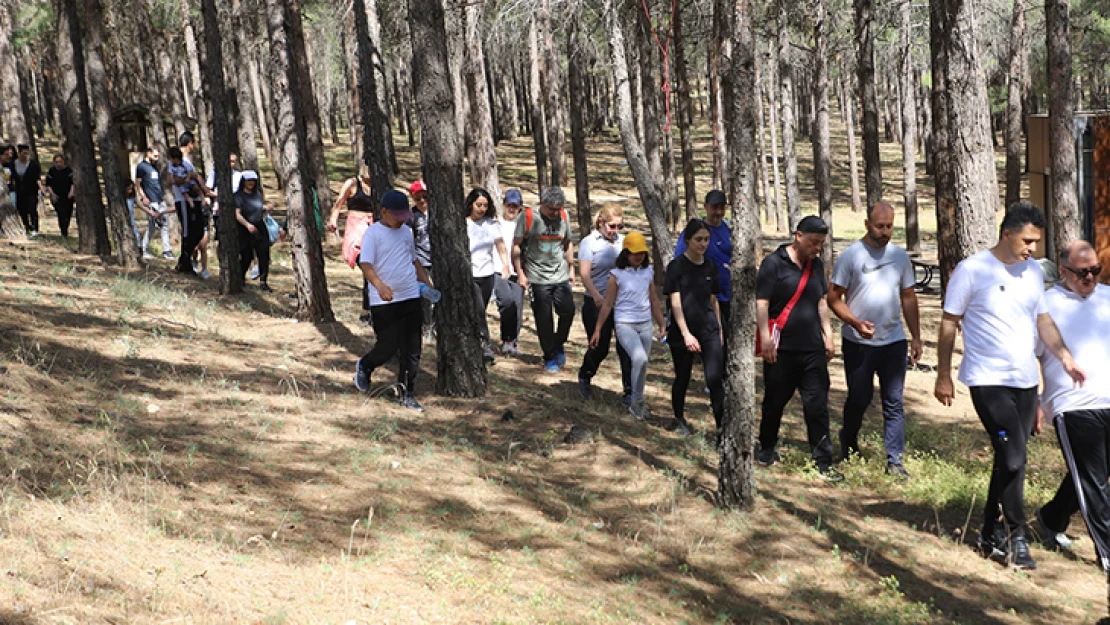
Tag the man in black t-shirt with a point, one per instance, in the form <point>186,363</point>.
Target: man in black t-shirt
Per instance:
<point>799,360</point>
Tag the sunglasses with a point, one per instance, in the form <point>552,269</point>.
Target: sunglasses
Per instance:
<point>1083,273</point>
<point>615,226</point>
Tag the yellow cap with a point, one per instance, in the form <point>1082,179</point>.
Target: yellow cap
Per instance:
<point>635,243</point>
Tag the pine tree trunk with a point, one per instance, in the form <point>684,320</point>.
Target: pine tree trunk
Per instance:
<point>204,128</point>
<point>248,141</point>
<point>479,122</point>
<point>535,98</point>
<point>458,344</point>
<point>822,158</point>
<point>909,129</point>
<point>231,273</point>
<point>736,439</point>
<point>685,115</point>
<point>662,242</point>
<point>575,51</point>
<point>789,152</point>
<point>313,301</point>
<point>381,90</point>
<point>551,83</point>
<point>865,66</point>
<point>1016,79</point>
<point>1061,134</point>
<point>649,96</point>
<point>314,139</point>
<point>15,123</point>
<point>381,171</point>
<point>126,246</point>
<point>264,116</point>
<point>92,231</point>
<point>716,116</point>
<point>966,186</point>
<point>765,175</point>
<point>773,107</point>
<point>848,110</point>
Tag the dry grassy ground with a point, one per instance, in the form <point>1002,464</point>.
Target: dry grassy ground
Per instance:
<point>173,456</point>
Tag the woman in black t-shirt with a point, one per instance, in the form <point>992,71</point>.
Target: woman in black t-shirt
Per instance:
<point>254,238</point>
<point>59,181</point>
<point>691,286</point>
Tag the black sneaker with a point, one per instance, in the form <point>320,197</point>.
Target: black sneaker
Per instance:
<point>408,401</point>
<point>627,399</point>
<point>362,377</point>
<point>993,544</point>
<point>829,474</point>
<point>680,427</point>
<point>898,472</point>
<point>1050,538</point>
<point>586,389</point>
<point>1020,558</point>
<point>849,449</point>
<point>767,457</point>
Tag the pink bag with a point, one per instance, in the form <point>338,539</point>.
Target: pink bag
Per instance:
<point>357,223</point>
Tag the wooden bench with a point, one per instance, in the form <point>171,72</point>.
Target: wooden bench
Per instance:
<point>923,272</point>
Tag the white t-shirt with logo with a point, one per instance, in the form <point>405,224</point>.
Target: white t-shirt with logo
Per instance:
<point>999,304</point>
<point>391,251</point>
<point>483,245</point>
<point>1083,326</point>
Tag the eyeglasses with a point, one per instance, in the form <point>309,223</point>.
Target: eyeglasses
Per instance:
<point>1083,273</point>
<point>615,226</point>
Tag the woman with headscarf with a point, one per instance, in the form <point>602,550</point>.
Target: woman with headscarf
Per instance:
<point>254,238</point>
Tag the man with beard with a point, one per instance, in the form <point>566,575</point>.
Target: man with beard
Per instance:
<point>871,288</point>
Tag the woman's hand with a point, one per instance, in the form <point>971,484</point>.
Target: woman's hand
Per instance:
<point>692,344</point>
<point>595,339</point>
<point>251,228</point>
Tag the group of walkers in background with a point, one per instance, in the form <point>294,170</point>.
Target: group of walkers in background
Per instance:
<point>195,205</point>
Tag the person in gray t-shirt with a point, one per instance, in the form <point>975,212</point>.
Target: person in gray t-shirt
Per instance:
<point>870,290</point>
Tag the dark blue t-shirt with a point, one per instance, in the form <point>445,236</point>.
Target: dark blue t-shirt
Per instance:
<point>720,252</point>
<point>151,183</point>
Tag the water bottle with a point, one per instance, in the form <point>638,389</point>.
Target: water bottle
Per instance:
<point>428,293</point>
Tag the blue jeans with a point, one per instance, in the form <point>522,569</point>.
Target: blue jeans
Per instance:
<point>861,364</point>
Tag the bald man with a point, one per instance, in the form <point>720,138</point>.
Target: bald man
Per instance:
<point>1080,306</point>
<point>871,289</point>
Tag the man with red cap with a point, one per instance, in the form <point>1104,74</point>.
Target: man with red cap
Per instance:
<point>419,224</point>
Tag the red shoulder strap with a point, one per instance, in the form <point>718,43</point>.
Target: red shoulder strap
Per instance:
<point>527,220</point>
<point>780,321</point>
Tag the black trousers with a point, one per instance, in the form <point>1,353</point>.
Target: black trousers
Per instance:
<point>64,208</point>
<point>725,308</point>
<point>253,246</point>
<point>1010,410</point>
<point>808,374</point>
<point>596,355</point>
<point>712,360</point>
<point>549,300</point>
<point>191,216</point>
<point>1085,439</point>
<point>483,290</point>
<point>510,305</point>
<point>27,203</point>
<point>398,327</point>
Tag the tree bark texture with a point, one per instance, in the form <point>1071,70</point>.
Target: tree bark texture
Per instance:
<point>264,113</point>
<point>736,440</point>
<point>848,110</point>
<point>200,107</point>
<point>310,110</point>
<point>685,114</point>
<point>313,302</point>
<point>1061,134</point>
<point>716,117</point>
<point>865,67</point>
<point>535,98</point>
<point>1016,78</point>
<point>649,96</point>
<point>92,231</point>
<point>822,158</point>
<point>764,173</point>
<point>126,247</point>
<point>231,273</point>
<point>575,53</point>
<point>909,129</point>
<point>11,226</point>
<point>551,83</point>
<point>248,139</point>
<point>789,151</point>
<point>773,109</point>
<point>458,342</point>
<point>967,192</point>
<point>381,172</point>
<point>633,151</point>
<point>15,123</point>
<point>381,80</point>
<point>479,122</point>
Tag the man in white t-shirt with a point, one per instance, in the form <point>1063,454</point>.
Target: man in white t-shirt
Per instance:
<point>998,295</point>
<point>871,288</point>
<point>1080,307</point>
<point>388,261</point>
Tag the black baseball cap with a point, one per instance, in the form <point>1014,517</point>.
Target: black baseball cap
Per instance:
<point>715,197</point>
<point>812,225</point>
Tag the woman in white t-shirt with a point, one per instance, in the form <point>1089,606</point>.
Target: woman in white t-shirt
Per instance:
<point>484,232</point>
<point>630,295</point>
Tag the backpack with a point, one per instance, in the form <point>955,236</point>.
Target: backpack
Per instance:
<point>528,219</point>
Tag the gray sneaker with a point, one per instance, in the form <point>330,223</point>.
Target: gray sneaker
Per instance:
<point>767,457</point>
<point>1052,540</point>
<point>362,377</point>
<point>640,411</point>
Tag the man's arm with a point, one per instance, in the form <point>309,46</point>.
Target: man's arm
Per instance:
<point>835,302</point>
<point>1053,342</point>
<point>518,262</point>
<point>762,320</point>
<point>826,328</point>
<point>569,247</point>
<point>913,320</point>
<point>944,390</point>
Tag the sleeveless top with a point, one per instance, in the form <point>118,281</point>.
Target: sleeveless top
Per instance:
<point>360,201</point>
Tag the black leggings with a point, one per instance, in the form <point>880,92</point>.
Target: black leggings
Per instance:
<point>483,290</point>
<point>1010,410</point>
<point>712,359</point>
<point>397,326</point>
<point>252,246</point>
<point>64,208</point>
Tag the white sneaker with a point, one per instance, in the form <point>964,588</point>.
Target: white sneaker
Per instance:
<point>254,273</point>
<point>205,275</point>
<point>509,349</point>
<point>148,256</point>
<point>196,267</point>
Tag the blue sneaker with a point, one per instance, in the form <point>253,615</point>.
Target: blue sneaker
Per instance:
<point>362,377</point>
<point>552,366</point>
<point>561,357</point>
